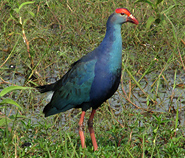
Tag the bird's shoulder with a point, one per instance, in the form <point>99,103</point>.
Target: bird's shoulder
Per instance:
<point>80,72</point>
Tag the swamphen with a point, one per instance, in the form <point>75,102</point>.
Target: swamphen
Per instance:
<point>92,79</point>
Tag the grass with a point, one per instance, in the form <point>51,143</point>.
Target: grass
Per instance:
<point>150,101</point>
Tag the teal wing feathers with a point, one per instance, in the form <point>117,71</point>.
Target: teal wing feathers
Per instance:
<point>75,88</point>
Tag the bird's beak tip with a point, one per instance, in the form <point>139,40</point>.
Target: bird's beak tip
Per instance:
<point>132,19</point>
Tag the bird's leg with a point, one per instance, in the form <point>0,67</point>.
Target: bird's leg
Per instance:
<point>80,129</point>
<point>90,126</point>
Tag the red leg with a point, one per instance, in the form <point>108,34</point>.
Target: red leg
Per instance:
<point>90,126</point>
<point>80,129</point>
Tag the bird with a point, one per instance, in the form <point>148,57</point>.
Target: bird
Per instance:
<point>93,79</point>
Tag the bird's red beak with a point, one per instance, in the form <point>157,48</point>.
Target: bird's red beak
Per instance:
<point>132,19</point>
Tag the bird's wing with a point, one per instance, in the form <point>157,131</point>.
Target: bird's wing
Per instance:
<point>74,88</point>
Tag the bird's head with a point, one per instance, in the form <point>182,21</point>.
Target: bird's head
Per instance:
<point>122,15</point>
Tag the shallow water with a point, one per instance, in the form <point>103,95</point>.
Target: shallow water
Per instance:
<point>165,96</point>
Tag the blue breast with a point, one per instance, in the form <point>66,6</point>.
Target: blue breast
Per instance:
<point>108,67</point>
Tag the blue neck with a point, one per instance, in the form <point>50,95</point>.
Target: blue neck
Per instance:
<point>111,46</point>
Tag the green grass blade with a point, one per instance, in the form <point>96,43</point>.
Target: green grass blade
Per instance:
<point>12,88</point>
<point>25,3</point>
<point>137,83</point>
<point>10,101</point>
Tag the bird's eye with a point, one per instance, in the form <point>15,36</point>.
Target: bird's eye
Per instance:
<point>122,13</point>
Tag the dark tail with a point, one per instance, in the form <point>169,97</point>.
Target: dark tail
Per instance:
<point>45,88</point>
<point>47,109</point>
<point>50,110</point>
